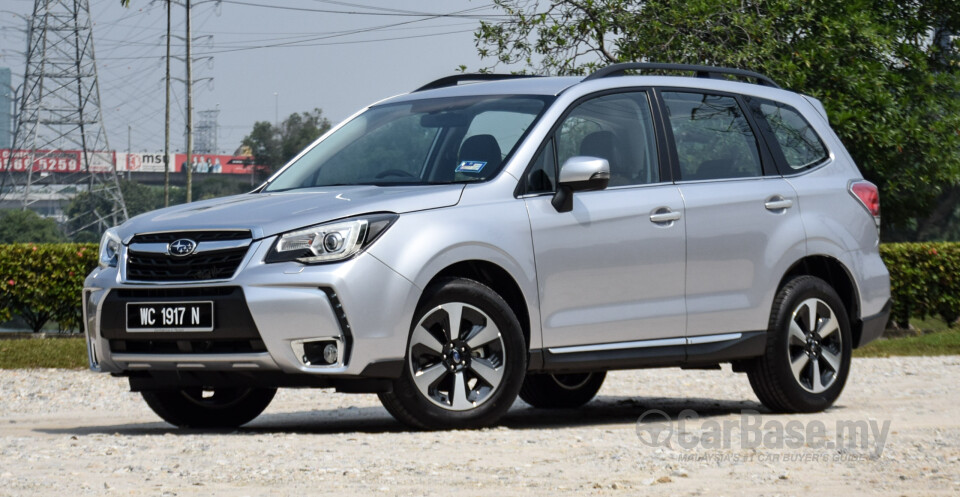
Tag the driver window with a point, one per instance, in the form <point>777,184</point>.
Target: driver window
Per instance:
<point>616,127</point>
<point>542,177</point>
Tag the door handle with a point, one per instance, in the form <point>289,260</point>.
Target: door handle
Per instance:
<point>664,215</point>
<point>778,203</point>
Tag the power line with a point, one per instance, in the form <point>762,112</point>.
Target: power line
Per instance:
<point>463,14</point>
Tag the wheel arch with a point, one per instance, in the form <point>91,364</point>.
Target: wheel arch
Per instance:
<point>495,277</point>
<point>838,276</point>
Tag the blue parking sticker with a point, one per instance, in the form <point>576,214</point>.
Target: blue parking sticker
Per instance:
<point>470,166</point>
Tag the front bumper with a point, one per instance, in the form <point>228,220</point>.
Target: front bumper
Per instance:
<point>263,316</point>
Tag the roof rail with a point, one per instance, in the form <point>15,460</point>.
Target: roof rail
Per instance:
<point>701,71</point>
<point>457,78</point>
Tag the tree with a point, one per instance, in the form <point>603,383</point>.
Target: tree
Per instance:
<point>273,146</point>
<point>25,226</point>
<point>218,186</point>
<point>892,91</point>
<point>91,212</point>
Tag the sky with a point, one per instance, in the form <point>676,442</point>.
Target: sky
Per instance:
<point>257,60</point>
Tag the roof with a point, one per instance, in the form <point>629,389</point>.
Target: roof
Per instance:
<point>521,86</point>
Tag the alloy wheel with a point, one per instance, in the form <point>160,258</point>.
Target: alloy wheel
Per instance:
<point>456,356</point>
<point>814,345</point>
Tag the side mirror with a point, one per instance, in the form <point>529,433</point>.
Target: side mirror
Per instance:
<point>580,174</point>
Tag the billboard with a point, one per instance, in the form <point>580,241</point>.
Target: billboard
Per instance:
<point>215,164</point>
<point>54,161</point>
<point>144,162</point>
<point>71,161</point>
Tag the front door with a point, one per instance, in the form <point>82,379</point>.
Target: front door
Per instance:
<point>610,271</point>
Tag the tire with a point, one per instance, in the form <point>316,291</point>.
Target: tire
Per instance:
<point>560,391</point>
<point>226,408</point>
<point>464,380</point>
<point>820,345</point>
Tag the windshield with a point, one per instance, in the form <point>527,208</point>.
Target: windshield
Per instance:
<point>432,141</point>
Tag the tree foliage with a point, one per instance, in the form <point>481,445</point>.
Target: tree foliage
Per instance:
<point>24,226</point>
<point>273,146</point>
<point>886,70</point>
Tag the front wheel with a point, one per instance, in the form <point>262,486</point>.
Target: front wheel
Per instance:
<point>809,345</point>
<point>465,360</point>
<point>209,408</point>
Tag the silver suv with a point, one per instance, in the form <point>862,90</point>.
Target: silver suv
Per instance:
<point>463,244</point>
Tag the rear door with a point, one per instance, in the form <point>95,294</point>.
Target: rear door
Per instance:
<point>742,224</point>
<point>611,271</point>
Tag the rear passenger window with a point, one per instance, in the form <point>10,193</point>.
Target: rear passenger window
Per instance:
<point>800,144</point>
<point>713,138</point>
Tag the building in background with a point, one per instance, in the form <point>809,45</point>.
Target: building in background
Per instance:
<point>6,108</point>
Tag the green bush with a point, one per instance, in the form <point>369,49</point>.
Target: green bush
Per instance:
<point>924,280</point>
<point>43,282</point>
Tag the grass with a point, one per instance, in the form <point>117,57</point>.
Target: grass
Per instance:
<point>943,342</point>
<point>65,353</point>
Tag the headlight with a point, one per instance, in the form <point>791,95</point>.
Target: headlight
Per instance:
<point>335,241</point>
<point>109,248</point>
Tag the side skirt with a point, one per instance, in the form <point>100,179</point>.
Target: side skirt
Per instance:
<point>689,352</point>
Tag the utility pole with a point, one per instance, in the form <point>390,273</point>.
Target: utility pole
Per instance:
<point>166,126</point>
<point>189,61</point>
<point>129,147</point>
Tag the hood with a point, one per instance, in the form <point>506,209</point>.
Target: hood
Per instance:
<point>267,214</point>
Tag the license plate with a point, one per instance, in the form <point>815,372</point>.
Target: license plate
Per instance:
<point>169,316</point>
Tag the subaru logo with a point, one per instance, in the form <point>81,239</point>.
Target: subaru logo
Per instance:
<point>182,247</point>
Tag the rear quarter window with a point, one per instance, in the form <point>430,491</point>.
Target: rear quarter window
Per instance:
<point>800,145</point>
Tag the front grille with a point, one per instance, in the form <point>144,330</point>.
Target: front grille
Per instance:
<point>197,267</point>
<point>201,266</point>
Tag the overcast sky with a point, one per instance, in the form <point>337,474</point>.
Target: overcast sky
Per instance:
<point>335,55</point>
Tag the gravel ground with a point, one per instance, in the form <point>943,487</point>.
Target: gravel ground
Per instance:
<point>78,433</point>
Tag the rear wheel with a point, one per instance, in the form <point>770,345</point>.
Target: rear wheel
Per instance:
<point>465,359</point>
<point>209,408</point>
<point>807,359</point>
<point>555,391</point>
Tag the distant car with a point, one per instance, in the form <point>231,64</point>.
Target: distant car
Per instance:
<point>463,244</point>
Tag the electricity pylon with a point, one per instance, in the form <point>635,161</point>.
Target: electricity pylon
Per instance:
<point>59,144</point>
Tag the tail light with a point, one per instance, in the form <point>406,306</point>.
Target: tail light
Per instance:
<point>868,195</point>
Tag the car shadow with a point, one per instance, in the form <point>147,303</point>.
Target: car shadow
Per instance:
<point>603,410</point>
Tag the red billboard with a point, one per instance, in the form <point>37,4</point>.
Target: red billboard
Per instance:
<point>215,164</point>
<point>52,161</point>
